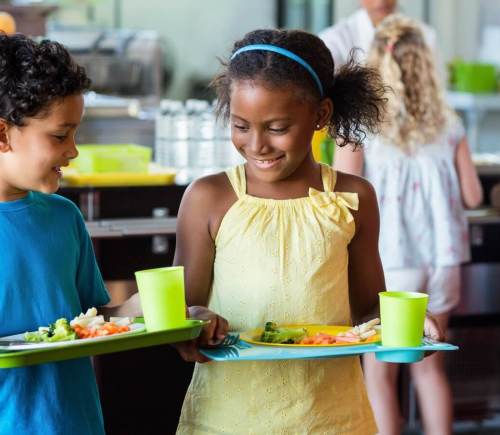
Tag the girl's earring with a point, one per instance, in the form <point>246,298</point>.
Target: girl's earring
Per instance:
<point>318,126</point>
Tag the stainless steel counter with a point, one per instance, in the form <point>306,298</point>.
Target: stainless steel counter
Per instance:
<point>111,228</point>
<point>483,216</point>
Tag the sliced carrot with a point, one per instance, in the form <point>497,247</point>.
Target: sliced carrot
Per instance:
<point>346,339</point>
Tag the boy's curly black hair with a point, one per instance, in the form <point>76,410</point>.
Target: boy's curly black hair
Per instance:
<point>34,75</point>
<point>357,92</point>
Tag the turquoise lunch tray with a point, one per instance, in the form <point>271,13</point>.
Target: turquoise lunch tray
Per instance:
<point>244,351</point>
<point>118,343</point>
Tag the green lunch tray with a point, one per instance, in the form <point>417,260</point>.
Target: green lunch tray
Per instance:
<point>140,339</point>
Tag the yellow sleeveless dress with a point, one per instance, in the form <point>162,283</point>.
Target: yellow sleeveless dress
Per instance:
<point>283,261</point>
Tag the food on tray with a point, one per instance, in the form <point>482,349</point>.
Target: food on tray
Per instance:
<point>294,335</point>
<point>273,334</point>
<point>85,325</point>
<point>319,338</point>
<point>359,333</point>
<point>60,330</point>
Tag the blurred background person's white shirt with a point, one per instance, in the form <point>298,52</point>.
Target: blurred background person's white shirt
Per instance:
<point>358,29</point>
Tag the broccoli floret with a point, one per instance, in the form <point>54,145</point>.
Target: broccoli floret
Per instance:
<point>33,337</point>
<point>270,326</point>
<point>37,336</point>
<point>273,334</point>
<point>60,331</point>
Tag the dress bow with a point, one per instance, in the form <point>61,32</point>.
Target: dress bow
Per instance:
<point>336,204</point>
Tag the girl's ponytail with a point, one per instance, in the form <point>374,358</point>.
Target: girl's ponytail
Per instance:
<point>358,103</point>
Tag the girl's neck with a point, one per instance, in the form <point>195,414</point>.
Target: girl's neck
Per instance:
<point>297,185</point>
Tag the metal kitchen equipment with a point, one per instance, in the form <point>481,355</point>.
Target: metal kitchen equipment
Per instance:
<point>119,61</point>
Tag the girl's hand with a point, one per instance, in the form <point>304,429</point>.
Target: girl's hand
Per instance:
<point>211,335</point>
<point>433,331</point>
<point>215,331</point>
<point>188,350</point>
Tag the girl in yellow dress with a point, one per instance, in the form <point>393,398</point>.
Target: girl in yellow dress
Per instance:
<point>282,238</point>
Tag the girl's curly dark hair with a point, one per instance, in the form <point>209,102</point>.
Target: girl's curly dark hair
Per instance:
<point>357,92</point>
<point>34,75</point>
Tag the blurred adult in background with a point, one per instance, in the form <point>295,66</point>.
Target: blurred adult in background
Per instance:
<point>358,30</point>
<point>421,168</point>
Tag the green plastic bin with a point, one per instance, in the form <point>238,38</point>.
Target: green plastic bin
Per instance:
<point>474,77</point>
<point>95,158</point>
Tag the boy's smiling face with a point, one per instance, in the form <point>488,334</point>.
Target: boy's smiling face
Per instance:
<point>31,156</point>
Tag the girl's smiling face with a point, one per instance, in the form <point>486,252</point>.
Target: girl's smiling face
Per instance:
<point>31,156</point>
<point>272,128</point>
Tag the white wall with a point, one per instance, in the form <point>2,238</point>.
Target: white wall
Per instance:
<point>196,32</point>
<point>457,23</point>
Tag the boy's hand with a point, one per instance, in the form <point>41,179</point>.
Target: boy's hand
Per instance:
<point>130,308</point>
<point>211,335</point>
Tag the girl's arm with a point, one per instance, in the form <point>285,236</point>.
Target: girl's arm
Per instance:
<point>366,277</point>
<point>195,250</point>
<point>470,186</point>
<point>349,161</point>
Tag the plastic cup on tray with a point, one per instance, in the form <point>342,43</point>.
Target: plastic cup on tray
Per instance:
<point>161,292</point>
<point>402,317</point>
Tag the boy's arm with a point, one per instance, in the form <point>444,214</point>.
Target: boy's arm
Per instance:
<point>130,308</point>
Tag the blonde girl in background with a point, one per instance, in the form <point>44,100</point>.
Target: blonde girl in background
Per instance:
<point>422,171</point>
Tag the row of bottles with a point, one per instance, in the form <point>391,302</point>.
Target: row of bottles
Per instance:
<point>189,139</point>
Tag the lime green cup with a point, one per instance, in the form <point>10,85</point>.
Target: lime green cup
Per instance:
<point>402,316</point>
<point>162,297</point>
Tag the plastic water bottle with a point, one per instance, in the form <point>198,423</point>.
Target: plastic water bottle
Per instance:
<point>189,139</point>
<point>203,141</point>
<point>226,154</point>
<point>179,146</point>
<point>163,133</point>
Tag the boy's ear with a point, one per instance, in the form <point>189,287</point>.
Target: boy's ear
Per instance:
<point>4,137</point>
<point>325,112</point>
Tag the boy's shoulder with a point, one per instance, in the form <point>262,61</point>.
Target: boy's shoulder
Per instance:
<point>58,203</point>
<point>56,200</point>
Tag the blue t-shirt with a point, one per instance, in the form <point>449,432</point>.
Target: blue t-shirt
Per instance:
<point>47,271</point>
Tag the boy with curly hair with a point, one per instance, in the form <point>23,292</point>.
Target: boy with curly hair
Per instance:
<point>47,265</point>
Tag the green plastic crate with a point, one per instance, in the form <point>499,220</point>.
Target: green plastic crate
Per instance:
<point>94,158</point>
<point>475,77</point>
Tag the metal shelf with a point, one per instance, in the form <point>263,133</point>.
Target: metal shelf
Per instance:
<point>474,107</point>
<point>112,228</point>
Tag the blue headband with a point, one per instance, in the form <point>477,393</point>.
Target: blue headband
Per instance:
<point>286,53</point>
